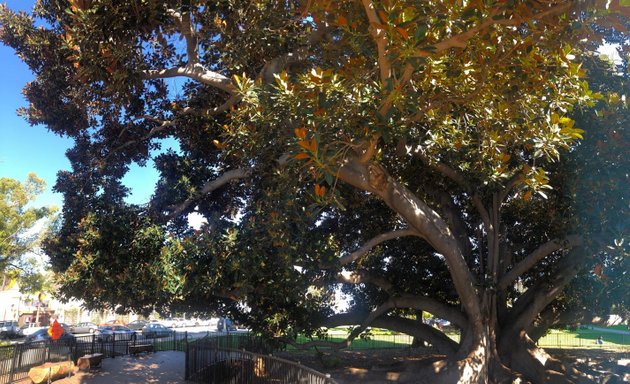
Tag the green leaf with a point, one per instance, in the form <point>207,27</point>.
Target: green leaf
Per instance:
<point>420,33</point>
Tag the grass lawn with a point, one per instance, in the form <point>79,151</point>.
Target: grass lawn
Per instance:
<point>584,338</point>
<point>581,338</point>
<point>378,341</point>
<point>382,339</point>
<point>620,327</point>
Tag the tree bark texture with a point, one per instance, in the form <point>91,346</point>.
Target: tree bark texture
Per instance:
<point>495,346</point>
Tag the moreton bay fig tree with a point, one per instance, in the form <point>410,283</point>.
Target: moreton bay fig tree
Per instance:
<point>463,158</point>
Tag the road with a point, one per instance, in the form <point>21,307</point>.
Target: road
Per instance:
<point>193,332</point>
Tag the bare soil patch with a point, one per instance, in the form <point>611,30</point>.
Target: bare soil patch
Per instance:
<point>392,365</point>
<point>365,366</point>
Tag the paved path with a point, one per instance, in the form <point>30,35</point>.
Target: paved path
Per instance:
<point>160,367</point>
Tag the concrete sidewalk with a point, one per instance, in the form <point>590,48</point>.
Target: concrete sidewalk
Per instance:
<point>160,367</point>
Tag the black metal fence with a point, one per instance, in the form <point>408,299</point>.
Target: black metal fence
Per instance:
<point>208,362</point>
<point>588,339</point>
<point>211,359</point>
<point>17,359</point>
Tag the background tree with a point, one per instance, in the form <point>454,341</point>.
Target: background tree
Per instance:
<point>413,153</point>
<point>17,219</point>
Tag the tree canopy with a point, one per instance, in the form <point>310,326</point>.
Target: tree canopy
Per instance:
<point>17,220</point>
<point>460,158</point>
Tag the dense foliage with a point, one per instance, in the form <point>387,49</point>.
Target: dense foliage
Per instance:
<point>18,235</point>
<point>460,158</point>
<point>17,217</point>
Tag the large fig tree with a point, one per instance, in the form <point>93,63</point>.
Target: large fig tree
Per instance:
<point>421,156</point>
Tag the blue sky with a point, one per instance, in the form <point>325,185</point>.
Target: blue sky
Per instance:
<point>25,149</point>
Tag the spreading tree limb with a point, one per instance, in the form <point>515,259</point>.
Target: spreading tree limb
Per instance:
<point>373,242</point>
<point>538,254</point>
<point>210,186</point>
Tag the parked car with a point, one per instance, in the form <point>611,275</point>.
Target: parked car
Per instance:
<point>190,322</point>
<point>111,322</point>
<point>29,329</point>
<point>156,330</point>
<point>9,329</point>
<point>115,332</point>
<point>85,327</point>
<point>203,322</point>
<point>225,324</point>
<point>42,335</point>
<point>439,323</point>
<point>173,322</point>
<point>66,327</point>
<point>137,325</point>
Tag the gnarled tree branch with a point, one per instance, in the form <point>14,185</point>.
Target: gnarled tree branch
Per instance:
<point>163,125</point>
<point>380,37</point>
<point>278,64</point>
<point>540,253</point>
<point>373,242</point>
<point>461,40</point>
<point>406,300</point>
<point>362,276</point>
<point>419,216</point>
<point>187,30</point>
<point>458,178</point>
<point>195,72</point>
<point>210,186</point>
<point>411,327</point>
<point>536,298</point>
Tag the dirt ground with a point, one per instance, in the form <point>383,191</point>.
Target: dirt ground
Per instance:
<point>366,366</point>
<point>389,366</point>
<point>160,367</point>
<point>346,367</point>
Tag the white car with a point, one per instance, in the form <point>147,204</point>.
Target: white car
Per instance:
<point>190,322</point>
<point>30,330</point>
<point>172,322</point>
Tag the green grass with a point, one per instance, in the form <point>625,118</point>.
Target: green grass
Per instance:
<point>584,338</point>
<point>378,341</point>
<point>620,327</point>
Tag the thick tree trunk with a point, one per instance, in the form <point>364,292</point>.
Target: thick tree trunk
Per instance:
<point>472,369</point>
<point>495,347</point>
<point>521,354</point>
<point>516,357</point>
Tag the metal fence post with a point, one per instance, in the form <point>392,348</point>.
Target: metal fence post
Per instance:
<point>558,339</point>
<point>15,356</point>
<point>186,357</point>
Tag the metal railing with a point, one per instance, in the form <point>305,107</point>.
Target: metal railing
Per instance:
<point>17,359</point>
<point>206,362</point>
<point>589,339</point>
<point>381,341</point>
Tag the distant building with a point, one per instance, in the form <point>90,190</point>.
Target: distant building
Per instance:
<point>24,308</point>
